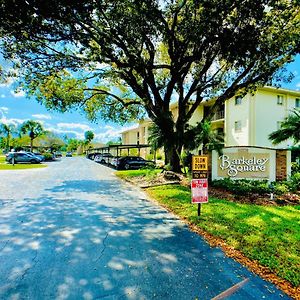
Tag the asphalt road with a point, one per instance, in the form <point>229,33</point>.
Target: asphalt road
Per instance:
<point>74,231</point>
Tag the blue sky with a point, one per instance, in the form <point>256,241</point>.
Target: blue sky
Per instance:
<point>15,108</point>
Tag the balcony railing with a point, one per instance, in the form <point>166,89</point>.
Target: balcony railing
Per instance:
<point>218,115</point>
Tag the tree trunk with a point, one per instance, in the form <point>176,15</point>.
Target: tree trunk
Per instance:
<point>31,145</point>
<point>175,159</point>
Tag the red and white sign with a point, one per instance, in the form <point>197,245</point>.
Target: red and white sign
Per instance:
<point>199,190</point>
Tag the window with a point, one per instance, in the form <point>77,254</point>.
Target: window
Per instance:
<point>238,126</point>
<point>279,99</point>
<point>238,100</point>
<point>297,102</point>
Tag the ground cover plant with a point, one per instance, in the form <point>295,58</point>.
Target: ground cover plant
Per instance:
<point>269,234</point>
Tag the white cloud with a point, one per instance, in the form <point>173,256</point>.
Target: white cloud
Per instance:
<point>18,94</point>
<point>4,109</point>
<point>78,135</point>
<point>2,96</point>
<point>112,133</point>
<point>298,85</point>
<point>73,126</point>
<point>12,121</point>
<point>41,116</point>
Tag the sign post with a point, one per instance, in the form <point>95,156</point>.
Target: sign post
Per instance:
<point>199,184</point>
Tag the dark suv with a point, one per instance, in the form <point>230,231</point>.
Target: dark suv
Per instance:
<point>133,162</point>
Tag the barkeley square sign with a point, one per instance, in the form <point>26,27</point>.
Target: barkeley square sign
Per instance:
<point>244,162</point>
<point>246,165</point>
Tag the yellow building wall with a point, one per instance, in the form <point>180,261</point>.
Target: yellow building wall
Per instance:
<point>268,115</point>
<point>197,116</point>
<point>130,136</point>
<point>237,113</point>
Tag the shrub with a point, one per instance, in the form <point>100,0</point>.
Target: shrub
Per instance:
<point>149,157</point>
<point>159,156</point>
<point>294,182</point>
<point>295,168</point>
<point>243,186</point>
<point>281,188</point>
<point>48,156</point>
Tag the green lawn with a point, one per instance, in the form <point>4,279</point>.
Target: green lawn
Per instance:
<point>5,166</point>
<point>268,234</point>
<point>148,173</point>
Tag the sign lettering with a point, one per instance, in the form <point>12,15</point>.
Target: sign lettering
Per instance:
<point>200,163</point>
<point>242,164</point>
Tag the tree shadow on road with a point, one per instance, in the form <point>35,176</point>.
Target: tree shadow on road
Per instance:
<point>85,241</point>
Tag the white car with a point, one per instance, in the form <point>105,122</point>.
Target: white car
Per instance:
<point>103,158</point>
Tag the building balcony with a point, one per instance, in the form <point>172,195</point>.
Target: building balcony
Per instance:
<point>219,115</point>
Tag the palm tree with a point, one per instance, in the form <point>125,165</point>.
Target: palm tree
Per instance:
<point>89,135</point>
<point>289,129</point>
<point>157,140</point>
<point>7,130</point>
<point>34,129</point>
<point>204,134</point>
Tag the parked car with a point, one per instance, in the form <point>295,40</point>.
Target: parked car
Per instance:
<point>103,158</point>
<point>22,157</point>
<point>114,161</point>
<point>69,154</point>
<point>58,154</point>
<point>39,155</point>
<point>133,162</point>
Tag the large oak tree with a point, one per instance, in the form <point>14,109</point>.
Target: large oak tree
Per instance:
<point>119,59</point>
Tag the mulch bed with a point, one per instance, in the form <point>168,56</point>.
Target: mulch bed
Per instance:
<point>287,199</point>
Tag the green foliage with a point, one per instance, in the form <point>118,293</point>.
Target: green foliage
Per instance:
<point>34,130</point>
<point>72,144</point>
<point>243,187</point>
<point>294,182</point>
<point>48,156</point>
<point>7,130</point>
<point>89,136</point>
<point>281,188</point>
<point>120,59</point>
<point>159,156</point>
<point>295,167</point>
<point>204,134</point>
<point>147,173</point>
<point>289,129</point>
<point>150,156</point>
<point>133,152</point>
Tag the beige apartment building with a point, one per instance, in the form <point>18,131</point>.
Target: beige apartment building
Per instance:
<point>245,121</point>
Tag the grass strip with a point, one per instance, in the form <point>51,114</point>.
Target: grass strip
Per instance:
<point>148,174</point>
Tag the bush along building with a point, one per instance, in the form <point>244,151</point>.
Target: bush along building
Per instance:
<point>246,123</point>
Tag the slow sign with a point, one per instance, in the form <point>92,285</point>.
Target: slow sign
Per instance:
<point>200,163</point>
